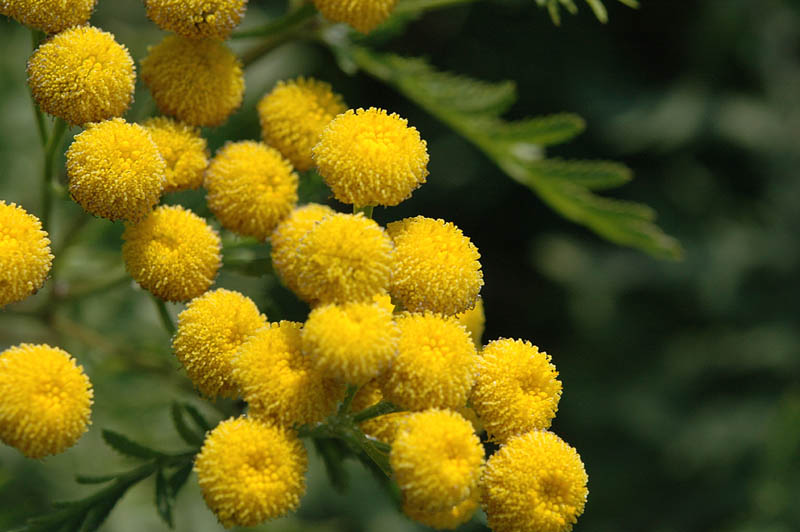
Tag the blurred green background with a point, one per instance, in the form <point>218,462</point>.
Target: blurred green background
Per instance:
<point>681,387</point>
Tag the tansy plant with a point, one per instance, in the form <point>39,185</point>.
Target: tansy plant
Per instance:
<point>389,368</point>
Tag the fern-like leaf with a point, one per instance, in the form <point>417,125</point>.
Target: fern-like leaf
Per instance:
<point>554,7</point>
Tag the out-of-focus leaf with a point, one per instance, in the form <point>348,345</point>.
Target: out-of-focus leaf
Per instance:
<point>598,8</point>
<point>123,445</point>
<point>163,497</point>
<point>177,480</point>
<point>189,436</point>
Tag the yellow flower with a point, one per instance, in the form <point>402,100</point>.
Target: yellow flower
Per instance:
<point>251,188</point>
<point>115,170</point>
<point>25,257</point>
<point>447,519</point>
<point>474,320</point>
<point>198,82</point>
<point>363,15</point>
<point>534,482</point>
<point>250,472</point>
<point>278,382</point>
<point>197,19</point>
<point>517,389</point>
<point>343,258</point>
<point>435,266</point>
<point>210,331</point>
<point>371,158</point>
<point>436,459</point>
<point>184,151</point>
<point>435,364</point>
<point>286,237</point>
<point>293,116</point>
<point>352,342</point>
<point>82,75</point>
<point>45,399</point>
<point>49,16</point>
<point>173,253</point>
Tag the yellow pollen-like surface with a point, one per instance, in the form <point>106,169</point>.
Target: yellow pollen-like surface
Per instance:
<point>184,151</point>
<point>474,320</point>
<point>25,257</point>
<point>47,15</point>
<point>447,519</point>
<point>363,15</point>
<point>197,19</point>
<point>45,399</point>
<point>82,75</point>
<point>287,236</point>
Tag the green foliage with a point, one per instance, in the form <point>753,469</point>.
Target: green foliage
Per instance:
<point>554,8</point>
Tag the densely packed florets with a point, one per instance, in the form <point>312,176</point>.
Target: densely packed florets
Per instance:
<point>25,257</point>
<point>197,19</point>
<point>363,15</point>
<point>49,16</point>
<point>184,151</point>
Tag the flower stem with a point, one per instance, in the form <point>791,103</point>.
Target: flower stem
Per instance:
<point>47,177</point>
<point>344,408</point>
<point>163,313</point>
<point>276,33</point>
<point>366,210</point>
<point>375,410</point>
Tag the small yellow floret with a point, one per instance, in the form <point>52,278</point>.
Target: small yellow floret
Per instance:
<point>251,188</point>
<point>517,389</point>
<point>474,320</point>
<point>210,331</point>
<point>436,459</point>
<point>363,15</point>
<point>197,19</point>
<point>371,158</point>
<point>293,116</point>
<point>198,82</point>
<point>184,151</point>
<point>45,399</point>
<point>278,382</point>
<point>25,257</point>
<point>173,253</point>
<point>383,427</point>
<point>343,258</point>
<point>287,237</point>
<point>250,472</point>
<point>447,519</point>
<point>115,170</point>
<point>435,266</point>
<point>534,482</point>
<point>435,364</point>
<point>47,15</point>
<point>82,75</point>
<point>351,342</point>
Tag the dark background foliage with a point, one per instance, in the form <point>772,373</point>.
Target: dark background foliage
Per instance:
<point>680,378</point>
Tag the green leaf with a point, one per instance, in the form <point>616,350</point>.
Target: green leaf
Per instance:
<point>598,8</point>
<point>198,418</point>
<point>123,445</point>
<point>90,479</point>
<point>98,514</point>
<point>163,498</point>
<point>594,175</point>
<point>177,480</point>
<point>189,436</point>
<point>541,130</point>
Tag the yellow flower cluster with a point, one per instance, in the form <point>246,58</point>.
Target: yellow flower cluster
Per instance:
<point>184,151</point>
<point>363,15</point>
<point>49,16</point>
<point>45,400</point>
<point>25,257</point>
<point>197,19</point>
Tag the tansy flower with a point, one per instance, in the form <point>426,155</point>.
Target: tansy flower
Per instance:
<point>25,257</point>
<point>434,366</point>
<point>363,15</point>
<point>210,331</point>
<point>251,188</point>
<point>278,382</point>
<point>184,151</point>
<point>516,390</point>
<point>115,170</point>
<point>435,266</point>
<point>293,116</point>
<point>287,236</point>
<point>371,157</point>
<point>352,342</point>
<point>198,82</point>
<point>534,482</point>
<point>197,19</point>
<point>82,75</point>
<point>45,399</point>
<point>250,472</point>
<point>48,16</point>
<point>447,519</point>
<point>474,320</point>
<point>343,258</point>
<point>436,459</point>
<point>173,253</point>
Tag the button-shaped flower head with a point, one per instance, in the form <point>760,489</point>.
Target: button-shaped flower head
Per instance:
<point>197,19</point>
<point>447,519</point>
<point>287,237</point>
<point>534,482</point>
<point>115,170</point>
<point>250,472</point>
<point>45,399</point>
<point>82,75</point>
<point>25,257</point>
<point>474,320</point>
<point>210,331</point>
<point>371,158</point>
<point>198,82</point>
<point>49,16</point>
<point>184,151</point>
<point>293,116</point>
<point>363,15</point>
<point>173,253</point>
<point>251,188</point>
<point>435,266</point>
<point>517,389</point>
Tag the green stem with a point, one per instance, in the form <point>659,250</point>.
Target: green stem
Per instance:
<point>49,160</point>
<point>344,408</point>
<point>417,6</point>
<point>163,313</point>
<point>375,410</point>
<point>276,33</point>
<point>98,288</point>
<point>365,209</point>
